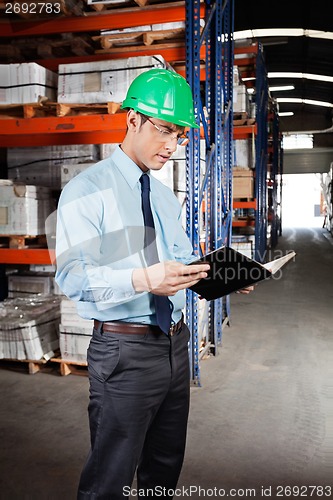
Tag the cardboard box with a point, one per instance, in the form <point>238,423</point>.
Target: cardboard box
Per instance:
<point>102,81</point>
<point>243,184</point>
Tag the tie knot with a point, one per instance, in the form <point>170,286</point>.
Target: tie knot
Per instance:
<point>145,182</point>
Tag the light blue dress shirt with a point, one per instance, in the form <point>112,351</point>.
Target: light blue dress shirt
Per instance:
<point>100,239</point>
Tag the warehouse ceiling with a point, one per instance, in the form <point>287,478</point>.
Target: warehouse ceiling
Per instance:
<point>303,54</point>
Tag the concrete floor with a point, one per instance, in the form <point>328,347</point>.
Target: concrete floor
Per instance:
<point>263,417</point>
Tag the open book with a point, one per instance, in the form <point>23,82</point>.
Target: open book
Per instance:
<point>231,271</point>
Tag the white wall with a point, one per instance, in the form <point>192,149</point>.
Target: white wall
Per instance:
<point>300,194</point>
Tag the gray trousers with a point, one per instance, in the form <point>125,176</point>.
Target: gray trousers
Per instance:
<point>138,411</point>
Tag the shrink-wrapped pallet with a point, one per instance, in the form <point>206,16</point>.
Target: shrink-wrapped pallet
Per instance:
<point>102,81</point>
<point>29,327</point>
<point>42,165</point>
<point>22,83</point>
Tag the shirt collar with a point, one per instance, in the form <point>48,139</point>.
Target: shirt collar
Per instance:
<point>128,169</point>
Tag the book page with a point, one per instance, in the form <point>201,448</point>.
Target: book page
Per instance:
<point>276,264</point>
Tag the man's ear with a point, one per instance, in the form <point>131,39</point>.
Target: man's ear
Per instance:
<point>133,120</point>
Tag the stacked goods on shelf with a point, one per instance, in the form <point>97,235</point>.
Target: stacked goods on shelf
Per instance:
<point>244,153</point>
<point>165,174</point>
<point>43,165</point>
<point>102,81</point>
<point>241,102</point>
<point>179,175</point>
<point>29,327</point>
<point>243,244</point>
<point>24,208</point>
<point>243,173</point>
<point>22,83</point>
<point>25,283</point>
<point>75,333</point>
<point>106,150</point>
<point>68,172</point>
<point>243,107</point>
<point>243,183</point>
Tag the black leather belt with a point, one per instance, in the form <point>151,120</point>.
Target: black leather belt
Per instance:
<point>134,328</point>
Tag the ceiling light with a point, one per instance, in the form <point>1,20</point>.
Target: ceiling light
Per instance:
<point>304,101</point>
<point>281,87</point>
<point>286,113</point>
<point>282,32</point>
<point>306,76</point>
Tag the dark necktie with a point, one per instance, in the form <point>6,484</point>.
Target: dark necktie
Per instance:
<point>162,303</point>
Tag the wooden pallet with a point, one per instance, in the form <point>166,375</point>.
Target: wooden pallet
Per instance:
<point>242,119</point>
<point>40,109</point>
<point>34,366</point>
<point>22,241</point>
<point>45,108</point>
<point>106,6</point>
<point>60,45</point>
<point>68,109</point>
<point>244,199</point>
<point>150,37</point>
<point>71,367</point>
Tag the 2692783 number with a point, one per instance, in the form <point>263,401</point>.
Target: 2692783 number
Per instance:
<point>304,491</point>
<point>32,8</point>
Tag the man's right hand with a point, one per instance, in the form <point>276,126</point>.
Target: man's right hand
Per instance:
<point>167,278</point>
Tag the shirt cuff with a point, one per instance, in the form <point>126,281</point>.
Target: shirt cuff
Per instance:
<point>110,285</point>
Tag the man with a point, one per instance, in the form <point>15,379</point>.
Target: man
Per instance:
<point>122,255</point>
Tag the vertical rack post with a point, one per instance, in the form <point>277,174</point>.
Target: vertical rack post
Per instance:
<point>193,171</point>
<point>227,126</point>
<point>261,157</point>
<point>274,177</point>
<point>219,97</point>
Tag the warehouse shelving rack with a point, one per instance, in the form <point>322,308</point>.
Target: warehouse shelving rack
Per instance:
<point>215,46</point>
<point>216,114</point>
<point>267,160</point>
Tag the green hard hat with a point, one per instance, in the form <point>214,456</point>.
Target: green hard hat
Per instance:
<point>162,94</point>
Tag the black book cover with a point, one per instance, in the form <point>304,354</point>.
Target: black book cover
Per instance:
<point>231,271</point>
